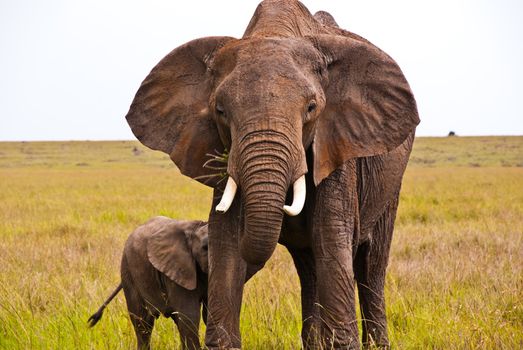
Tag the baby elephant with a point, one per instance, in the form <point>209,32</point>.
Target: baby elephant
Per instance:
<point>164,271</point>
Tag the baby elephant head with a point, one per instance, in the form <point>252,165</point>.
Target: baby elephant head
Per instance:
<point>178,248</point>
<point>199,242</point>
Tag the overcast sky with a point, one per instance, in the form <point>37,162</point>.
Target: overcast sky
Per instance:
<point>69,69</point>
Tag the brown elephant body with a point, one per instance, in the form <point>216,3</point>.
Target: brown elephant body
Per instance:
<point>164,272</point>
<point>296,98</point>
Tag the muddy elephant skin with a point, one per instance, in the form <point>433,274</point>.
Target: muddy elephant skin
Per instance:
<point>307,112</point>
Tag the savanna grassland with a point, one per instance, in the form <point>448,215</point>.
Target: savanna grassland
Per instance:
<point>455,277</point>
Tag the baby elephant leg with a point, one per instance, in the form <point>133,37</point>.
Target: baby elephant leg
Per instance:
<point>141,318</point>
<point>186,304</point>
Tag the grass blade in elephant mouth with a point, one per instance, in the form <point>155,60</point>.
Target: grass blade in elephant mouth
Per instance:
<point>216,162</point>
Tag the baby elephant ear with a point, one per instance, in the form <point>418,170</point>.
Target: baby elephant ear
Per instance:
<point>169,251</point>
<point>170,110</point>
<point>370,108</point>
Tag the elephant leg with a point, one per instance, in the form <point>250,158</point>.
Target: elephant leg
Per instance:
<point>332,237</point>
<point>141,318</point>
<point>370,267</point>
<point>227,273</point>
<point>187,315</point>
<point>304,262</point>
<point>187,326</point>
<point>205,308</point>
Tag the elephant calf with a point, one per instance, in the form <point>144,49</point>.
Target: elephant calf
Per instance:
<point>164,271</point>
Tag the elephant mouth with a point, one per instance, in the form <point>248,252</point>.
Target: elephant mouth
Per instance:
<point>298,201</point>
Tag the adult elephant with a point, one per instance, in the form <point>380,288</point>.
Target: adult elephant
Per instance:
<point>298,103</point>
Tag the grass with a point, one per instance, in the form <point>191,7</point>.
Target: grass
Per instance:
<point>455,277</point>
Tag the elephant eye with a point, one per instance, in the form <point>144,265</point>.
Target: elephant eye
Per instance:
<point>312,106</point>
<point>219,110</point>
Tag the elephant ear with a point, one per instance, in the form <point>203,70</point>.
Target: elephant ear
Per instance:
<point>369,108</point>
<point>168,250</point>
<point>170,110</point>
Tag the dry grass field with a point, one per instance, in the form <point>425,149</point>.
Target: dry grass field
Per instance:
<point>455,276</point>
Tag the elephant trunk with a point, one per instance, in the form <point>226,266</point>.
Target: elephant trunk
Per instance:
<point>266,172</point>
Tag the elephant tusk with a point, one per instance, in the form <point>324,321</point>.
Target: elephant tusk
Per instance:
<point>228,196</point>
<point>298,200</point>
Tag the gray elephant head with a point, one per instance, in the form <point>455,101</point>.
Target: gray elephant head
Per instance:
<point>270,99</point>
<point>177,248</point>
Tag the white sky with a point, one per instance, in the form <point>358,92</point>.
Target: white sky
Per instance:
<point>69,69</point>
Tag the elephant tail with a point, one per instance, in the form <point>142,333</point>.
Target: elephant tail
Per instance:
<point>98,314</point>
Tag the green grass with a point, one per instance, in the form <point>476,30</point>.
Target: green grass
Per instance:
<point>485,151</point>
<point>455,276</point>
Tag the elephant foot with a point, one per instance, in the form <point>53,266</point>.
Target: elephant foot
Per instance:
<point>346,345</point>
<point>374,346</point>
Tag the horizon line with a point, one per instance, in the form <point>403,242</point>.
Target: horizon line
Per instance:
<point>128,140</point>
